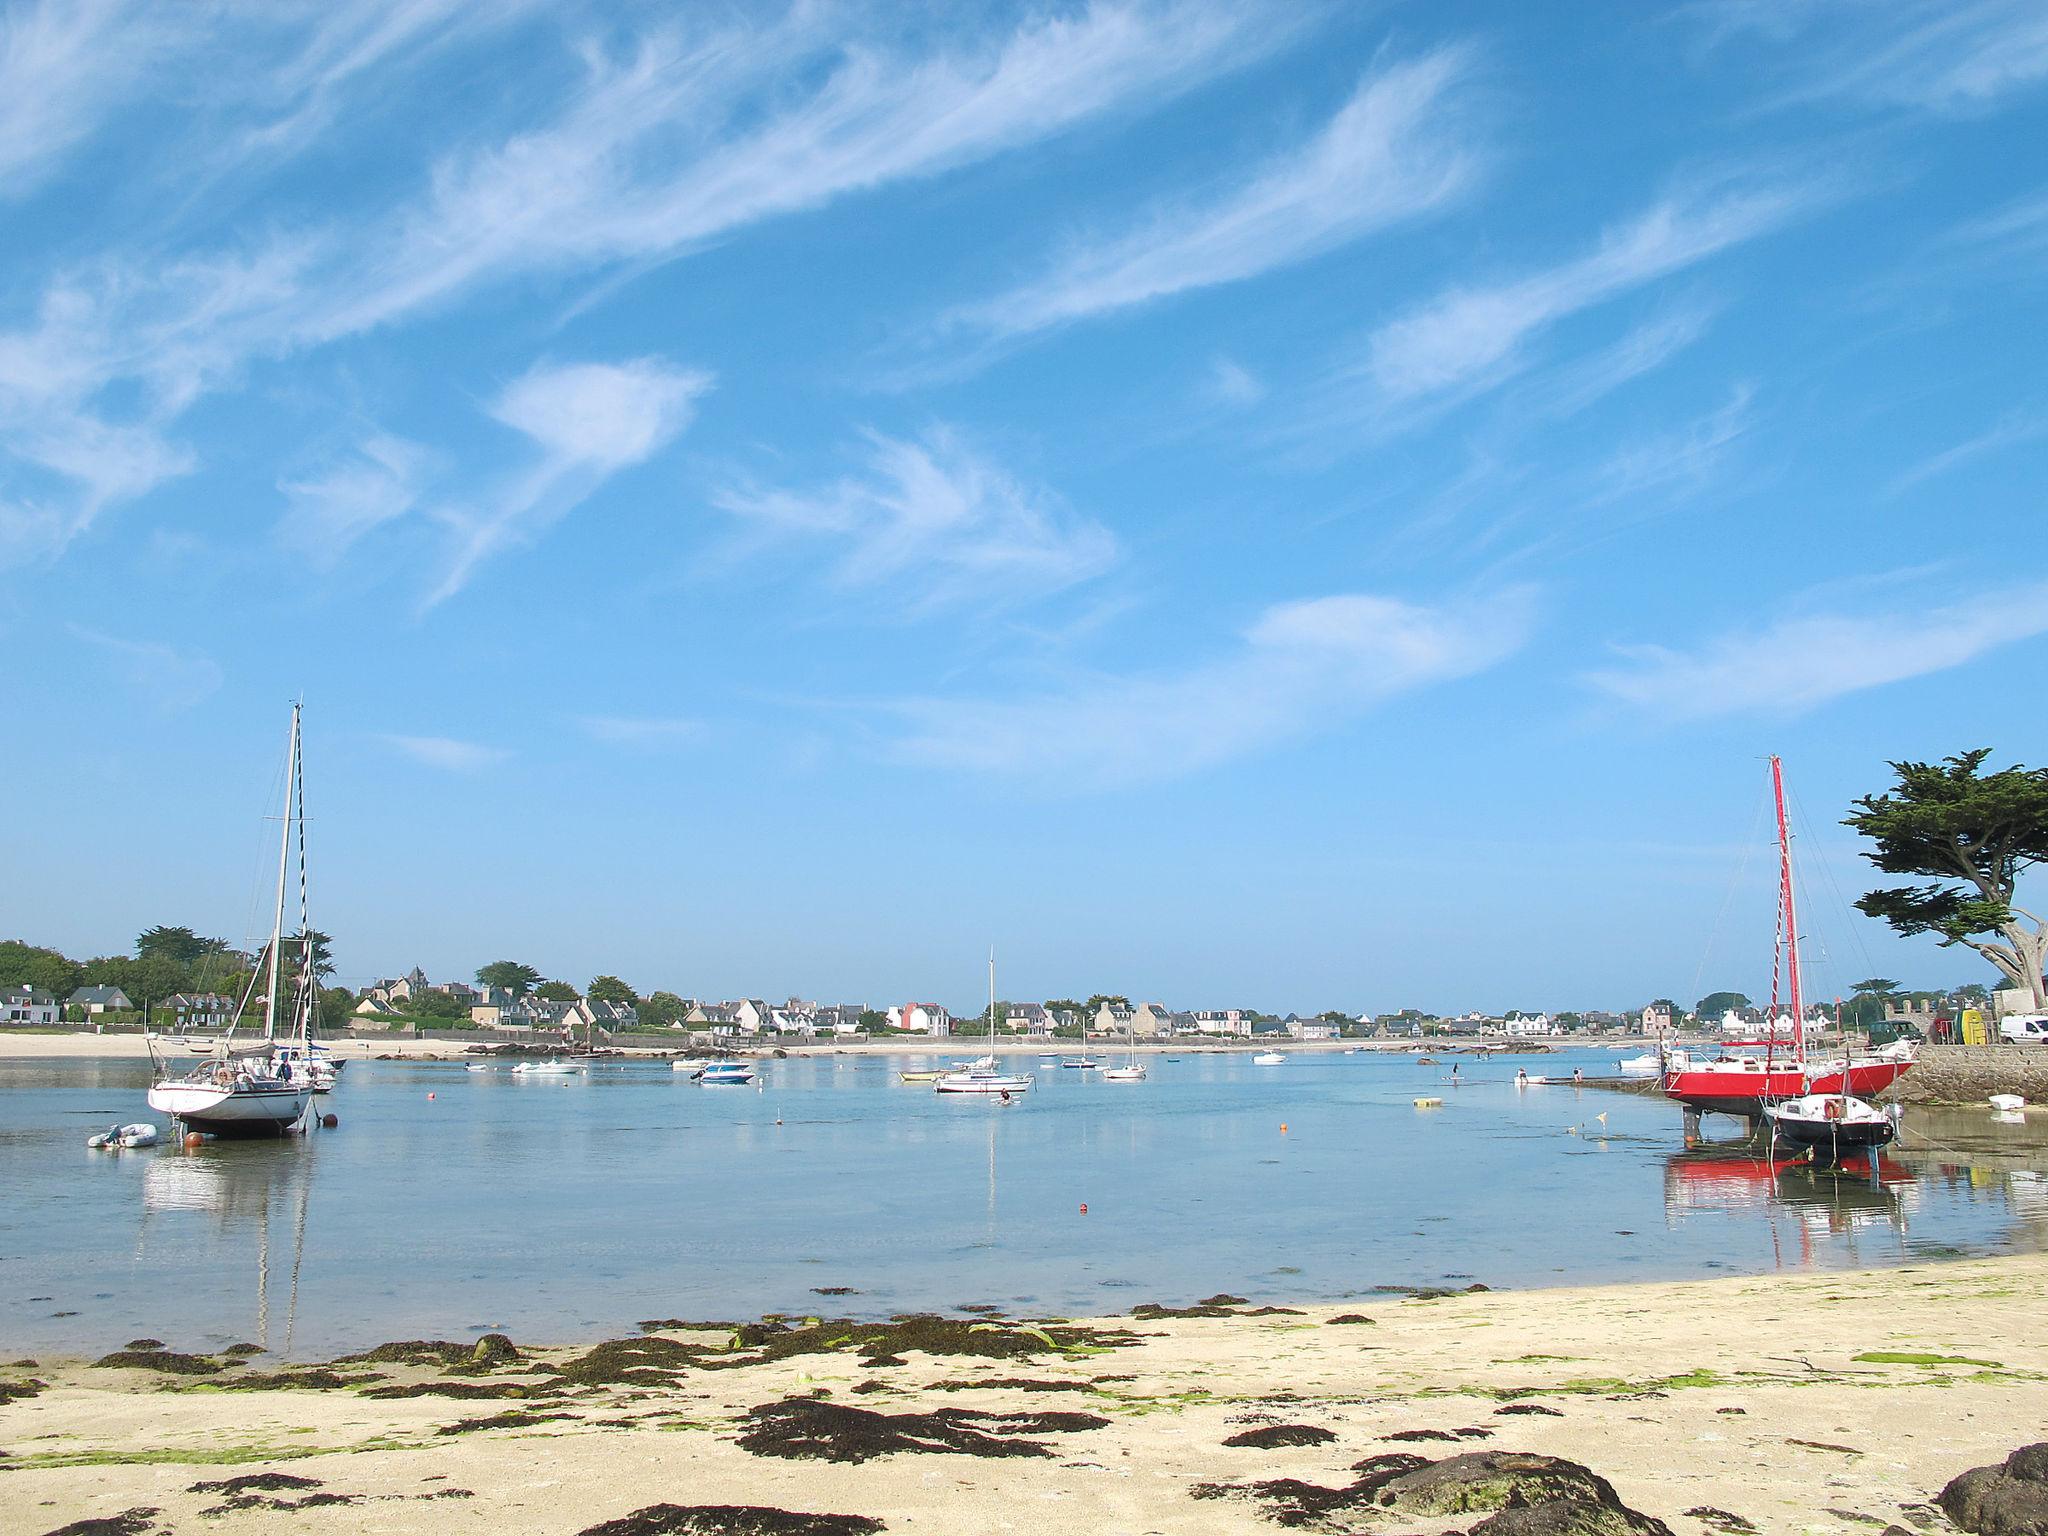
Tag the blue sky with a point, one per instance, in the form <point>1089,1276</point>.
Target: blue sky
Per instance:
<point>1296,506</point>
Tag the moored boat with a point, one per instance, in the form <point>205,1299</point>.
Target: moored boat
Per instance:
<point>1833,1123</point>
<point>1268,1059</point>
<point>729,1072</point>
<point>982,1076</point>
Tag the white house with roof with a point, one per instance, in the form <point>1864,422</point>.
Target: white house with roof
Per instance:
<point>921,1019</point>
<point>1312,1029</point>
<point>1113,1018</point>
<point>98,1000</point>
<point>27,1005</point>
<point>201,1010</point>
<point>1223,1021</point>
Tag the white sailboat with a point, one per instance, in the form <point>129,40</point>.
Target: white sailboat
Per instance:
<point>256,1095</point>
<point>982,1076</point>
<point>1130,1071</point>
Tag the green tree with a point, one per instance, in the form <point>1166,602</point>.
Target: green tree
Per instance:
<point>336,1004</point>
<point>179,944</point>
<point>609,989</point>
<point>1973,994</point>
<point>664,1010</point>
<point>872,1019</point>
<point>555,992</point>
<point>1971,835</point>
<point>152,978</point>
<point>1714,1004</point>
<point>30,965</point>
<point>511,975</point>
<point>429,1004</point>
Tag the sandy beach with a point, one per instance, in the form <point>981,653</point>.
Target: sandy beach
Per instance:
<point>1813,1402</point>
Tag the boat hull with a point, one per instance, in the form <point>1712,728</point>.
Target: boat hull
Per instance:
<point>1721,1088</point>
<point>965,1083</point>
<point>231,1111</point>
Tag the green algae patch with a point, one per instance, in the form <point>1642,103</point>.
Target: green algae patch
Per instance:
<point>919,1333</point>
<point>169,1361</point>
<point>1916,1357</point>
<point>196,1456</point>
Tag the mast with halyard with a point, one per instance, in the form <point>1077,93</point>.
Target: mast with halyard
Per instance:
<point>254,1095</point>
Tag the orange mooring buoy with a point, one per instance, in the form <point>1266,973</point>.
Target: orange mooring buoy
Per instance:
<point>1283,1127</point>
<point>330,1121</point>
<point>430,1095</point>
<point>195,1139</point>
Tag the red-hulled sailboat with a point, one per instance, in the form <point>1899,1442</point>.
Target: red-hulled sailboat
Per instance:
<point>1750,1074</point>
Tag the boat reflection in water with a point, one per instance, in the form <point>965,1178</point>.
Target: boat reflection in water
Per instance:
<point>1864,1205</point>
<point>256,1194</point>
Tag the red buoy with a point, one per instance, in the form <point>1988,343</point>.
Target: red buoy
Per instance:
<point>195,1138</point>
<point>330,1121</point>
<point>1084,1207</point>
<point>430,1095</point>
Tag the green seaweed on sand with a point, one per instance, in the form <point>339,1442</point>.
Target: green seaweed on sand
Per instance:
<point>994,1384</point>
<point>412,1352</point>
<point>1917,1357</point>
<point>240,1351</point>
<point>810,1429</point>
<point>731,1520</point>
<point>1353,1318</point>
<point>144,1344</point>
<point>1290,1501</point>
<point>311,1379</point>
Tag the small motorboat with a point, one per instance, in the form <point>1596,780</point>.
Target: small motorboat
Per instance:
<point>548,1068</point>
<point>1001,1083</point>
<point>737,1072</point>
<point>1268,1059</point>
<point>114,1137</point>
<point>476,1066</point>
<point>929,1076</point>
<point>1079,1063</point>
<point>1832,1123</point>
<point>2008,1103</point>
<point>1649,1064</point>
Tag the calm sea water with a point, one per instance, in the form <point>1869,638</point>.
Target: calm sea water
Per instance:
<point>568,1209</point>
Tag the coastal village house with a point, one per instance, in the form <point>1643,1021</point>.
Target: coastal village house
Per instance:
<point>921,1019</point>
<point>27,1005</point>
<point>1657,1017</point>
<point>98,1000</point>
<point>201,1010</point>
<point>1113,1018</point>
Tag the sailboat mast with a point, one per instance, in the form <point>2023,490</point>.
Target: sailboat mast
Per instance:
<point>991,996</point>
<point>1789,902</point>
<point>309,980</point>
<point>284,854</point>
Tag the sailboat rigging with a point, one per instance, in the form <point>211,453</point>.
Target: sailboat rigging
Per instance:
<point>984,1076</point>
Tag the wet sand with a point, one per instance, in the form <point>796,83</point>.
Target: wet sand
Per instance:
<point>1810,1402</point>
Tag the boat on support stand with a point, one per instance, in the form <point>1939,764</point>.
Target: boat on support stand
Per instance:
<point>1750,1076</point>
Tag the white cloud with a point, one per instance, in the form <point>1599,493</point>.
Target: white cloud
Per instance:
<point>641,731</point>
<point>938,518</point>
<point>1467,338</point>
<point>1804,661</point>
<point>168,676</point>
<point>690,138</point>
<point>1231,383</point>
<point>1677,461</point>
<point>590,420</point>
<point>64,65</point>
<point>446,753</point>
<point>1944,56</point>
<point>375,485</point>
<point>1642,350</point>
<point>1301,668</point>
<point>2013,429</point>
<point>1398,148</point>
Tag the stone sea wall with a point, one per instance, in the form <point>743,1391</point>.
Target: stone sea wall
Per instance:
<point>1969,1074</point>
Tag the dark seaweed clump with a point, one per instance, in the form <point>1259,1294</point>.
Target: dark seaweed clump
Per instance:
<point>923,1332</point>
<point>240,1351</point>
<point>1352,1317</point>
<point>1290,1501</point>
<point>255,1482</point>
<point>17,1391</point>
<point>1223,1304</point>
<point>731,1520</point>
<point>811,1429</point>
<point>1721,1520</point>
<point>254,1490</point>
<point>1270,1436</point>
<point>314,1379</point>
<point>998,1384</point>
<point>130,1522</point>
<point>1440,1434</point>
<point>412,1352</point>
<point>834,1290</point>
<point>515,1418</point>
<point>645,1362</point>
<point>144,1344</point>
<point>1530,1408</point>
<point>166,1360</point>
<point>457,1389</point>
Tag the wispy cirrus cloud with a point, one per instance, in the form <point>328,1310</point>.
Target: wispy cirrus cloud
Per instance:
<point>1641,350</point>
<point>936,517</point>
<point>446,753</point>
<point>1467,339</point>
<point>643,732</point>
<point>1402,146</point>
<point>64,65</point>
<point>170,678</point>
<point>1945,56</point>
<point>375,484</point>
<point>1300,669</point>
<point>1805,660</point>
<point>589,421</point>
<point>2011,430</point>
<point>675,139</point>
<point>692,135</point>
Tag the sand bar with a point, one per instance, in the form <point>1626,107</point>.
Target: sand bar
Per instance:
<point>1810,1402</point>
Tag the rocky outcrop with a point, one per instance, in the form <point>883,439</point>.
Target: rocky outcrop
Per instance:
<point>2008,1500</point>
<point>1970,1074</point>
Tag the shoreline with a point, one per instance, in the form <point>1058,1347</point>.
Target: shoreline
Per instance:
<point>1812,1401</point>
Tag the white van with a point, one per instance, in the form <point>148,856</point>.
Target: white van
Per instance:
<point>2024,1029</point>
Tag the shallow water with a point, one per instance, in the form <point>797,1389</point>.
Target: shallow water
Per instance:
<point>565,1209</point>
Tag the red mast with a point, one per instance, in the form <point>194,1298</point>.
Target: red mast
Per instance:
<point>1790,911</point>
